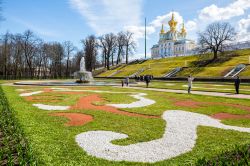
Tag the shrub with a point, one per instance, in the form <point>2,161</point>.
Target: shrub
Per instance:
<point>14,147</point>
<point>239,156</point>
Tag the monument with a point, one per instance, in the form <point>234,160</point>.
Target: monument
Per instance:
<point>83,76</point>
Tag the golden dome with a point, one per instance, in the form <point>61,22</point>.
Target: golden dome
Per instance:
<point>183,30</point>
<point>172,23</point>
<point>162,29</point>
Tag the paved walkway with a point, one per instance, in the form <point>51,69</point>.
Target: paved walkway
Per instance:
<point>219,94</point>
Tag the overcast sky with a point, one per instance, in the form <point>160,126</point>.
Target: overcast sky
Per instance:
<point>61,20</point>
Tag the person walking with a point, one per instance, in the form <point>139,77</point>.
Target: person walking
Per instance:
<point>122,83</point>
<point>147,80</point>
<point>127,81</point>
<point>190,83</point>
<point>237,84</point>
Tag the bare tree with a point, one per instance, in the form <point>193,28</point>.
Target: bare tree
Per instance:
<point>103,46</point>
<point>17,54</point>
<point>76,60</point>
<point>90,50</point>
<point>5,53</point>
<point>68,49</point>
<point>130,44</point>
<point>29,43</point>
<point>120,46</point>
<point>108,44</point>
<point>215,36</point>
<point>57,55</point>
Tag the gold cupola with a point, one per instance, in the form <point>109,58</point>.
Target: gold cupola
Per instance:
<point>172,23</point>
<point>183,30</point>
<point>162,29</point>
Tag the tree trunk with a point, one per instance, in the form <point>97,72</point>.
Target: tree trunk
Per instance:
<point>67,68</point>
<point>107,63</point>
<point>127,54</point>
<point>112,59</point>
<point>118,56</point>
<point>215,55</point>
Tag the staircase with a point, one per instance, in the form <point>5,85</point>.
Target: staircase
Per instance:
<point>138,72</point>
<point>116,72</point>
<point>235,71</point>
<point>173,72</point>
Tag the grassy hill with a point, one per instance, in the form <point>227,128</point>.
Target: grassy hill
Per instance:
<point>197,65</point>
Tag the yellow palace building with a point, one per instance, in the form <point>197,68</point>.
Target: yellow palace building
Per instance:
<point>173,42</point>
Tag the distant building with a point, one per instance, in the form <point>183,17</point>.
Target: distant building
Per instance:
<point>42,72</point>
<point>172,42</point>
<point>237,46</point>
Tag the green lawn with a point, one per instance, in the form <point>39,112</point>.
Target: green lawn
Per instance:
<point>54,144</point>
<point>198,86</point>
<point>195,65</point>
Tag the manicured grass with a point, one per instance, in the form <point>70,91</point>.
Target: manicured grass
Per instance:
<point>54,143</point>
<point>14,147</point>
<point>246,72</point>
<point>239,156</point>
<point>198,86</point>
<point>198,65</point>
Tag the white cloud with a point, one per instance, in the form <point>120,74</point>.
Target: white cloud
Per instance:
<point>191,25</point>
<point>215,13</point>
<point>106,16</point>
<point>139,31</point>
<point>157,23</point>
<point>244,29</point>
<point>154,27</point>
<point>165,18</point>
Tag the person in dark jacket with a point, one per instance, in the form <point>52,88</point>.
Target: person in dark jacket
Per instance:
<point>122,83</point>
<point>237,84</point>
<point>147,80</point>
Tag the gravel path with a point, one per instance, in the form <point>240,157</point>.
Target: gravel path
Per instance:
<point>30,93</point>
<point>142,102</point>
<point>197,87</point>
<point>51,107</point>
<point>179,138</point>
<point>217,94</point>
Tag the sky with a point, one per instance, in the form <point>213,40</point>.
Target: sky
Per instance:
<point>73,20</point>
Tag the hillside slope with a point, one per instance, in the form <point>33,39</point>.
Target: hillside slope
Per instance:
<point>197,65</point>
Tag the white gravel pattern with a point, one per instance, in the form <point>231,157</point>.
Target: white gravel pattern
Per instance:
<point>31,93</point>
<point>179,137</point>
<point>215,88</point>
<point>20,90</point>
<point>142,102</point>
<point>51,107</point>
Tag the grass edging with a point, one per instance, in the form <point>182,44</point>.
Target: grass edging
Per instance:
<point>239,156</point>
<point>14,147</point>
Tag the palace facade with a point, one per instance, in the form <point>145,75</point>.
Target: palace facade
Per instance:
<point>173,42</point>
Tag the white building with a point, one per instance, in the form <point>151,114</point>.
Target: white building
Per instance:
<point>172,42</point>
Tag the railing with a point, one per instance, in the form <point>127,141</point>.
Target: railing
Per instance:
<point>235,71</point>
<point>173,72</point>
<point>138,72</point>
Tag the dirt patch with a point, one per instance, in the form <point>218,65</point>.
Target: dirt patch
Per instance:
<point>86,103</point>
<point>47,90</point>
<point>71,93</point>
<point>41,99</point>
<point>230,116</point>
<point>196,104</point>
<point>75,119</point>
<point>243,107</point>
<point>188,103</point>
